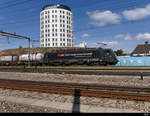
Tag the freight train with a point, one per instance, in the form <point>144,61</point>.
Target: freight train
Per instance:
<point>94,56</point>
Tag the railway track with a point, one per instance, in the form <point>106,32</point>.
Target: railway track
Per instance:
<point>93,90</point>
<point>140,73</point>
<point>82,67</point>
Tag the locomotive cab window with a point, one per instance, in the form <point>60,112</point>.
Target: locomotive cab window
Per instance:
<point>95,54</point>
<point>107,52</point>
<point>47,56</point>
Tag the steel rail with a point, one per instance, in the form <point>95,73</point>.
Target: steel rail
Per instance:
<point>79,67</point>
<point>86,86</point>
<point>116,92</point>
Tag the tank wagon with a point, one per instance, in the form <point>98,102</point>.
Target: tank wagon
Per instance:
<point>34,58</point>
<point>9,60</point>
<point>90,57</point>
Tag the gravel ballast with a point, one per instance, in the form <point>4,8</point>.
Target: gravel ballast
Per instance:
<point>7,107</point>
<point>100,79</point>
<point>75,78</point>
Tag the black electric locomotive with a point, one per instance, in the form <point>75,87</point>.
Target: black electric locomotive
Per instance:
<point>83,56</point>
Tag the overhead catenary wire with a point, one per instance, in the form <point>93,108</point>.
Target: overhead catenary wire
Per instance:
<point>15,4</point>
<point>32,13</point>
<point>25,21</point>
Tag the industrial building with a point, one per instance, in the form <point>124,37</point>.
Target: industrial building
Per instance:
<point>56,26</point>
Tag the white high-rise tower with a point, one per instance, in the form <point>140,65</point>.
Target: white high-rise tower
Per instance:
<point>56,26</point>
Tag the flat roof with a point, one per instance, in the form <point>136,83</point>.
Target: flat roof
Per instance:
<point>56,6</point>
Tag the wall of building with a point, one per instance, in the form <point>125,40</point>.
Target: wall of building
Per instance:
<point>133,61</point>
<point>56,27</point>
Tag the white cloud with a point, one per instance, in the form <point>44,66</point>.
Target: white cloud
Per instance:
<point>124,36</point>
<point>137,14</point>
<point>144,36</point>
<point>127,37</point>
<point>109,43</point>
<point>119,36</point>
<point>103,18</point>
<point>85,35</point>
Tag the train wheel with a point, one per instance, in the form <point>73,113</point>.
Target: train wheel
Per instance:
<point>105,64</point>
<point>90,64</point>
<point>66,64</point>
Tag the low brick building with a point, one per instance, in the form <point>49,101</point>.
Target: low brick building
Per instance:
<point>142,50</point>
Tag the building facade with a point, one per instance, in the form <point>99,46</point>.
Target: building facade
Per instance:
<point>56,26</point>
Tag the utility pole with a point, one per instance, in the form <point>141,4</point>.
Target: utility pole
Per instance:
<point>33,41</point>
<point>18,37</point>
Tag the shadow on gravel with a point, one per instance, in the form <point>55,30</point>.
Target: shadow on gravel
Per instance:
<point>76,103</point>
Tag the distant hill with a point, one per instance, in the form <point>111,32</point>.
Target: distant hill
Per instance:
<point>19,51</point>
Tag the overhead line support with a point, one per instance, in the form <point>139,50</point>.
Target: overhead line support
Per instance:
<point>18,37</point>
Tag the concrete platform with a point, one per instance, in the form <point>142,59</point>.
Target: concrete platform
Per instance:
<point>64,106</point>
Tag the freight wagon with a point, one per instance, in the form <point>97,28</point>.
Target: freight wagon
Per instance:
<point>9,60</point>
<point>98,56</point>
<point>34,58</point>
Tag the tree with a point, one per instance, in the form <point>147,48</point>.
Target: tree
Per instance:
<point>119,52</point>
<point>20,47</point>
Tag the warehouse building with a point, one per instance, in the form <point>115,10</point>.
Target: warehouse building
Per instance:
<point>56,26</point>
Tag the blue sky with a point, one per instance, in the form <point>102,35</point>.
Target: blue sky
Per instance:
<point>122,24</point>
